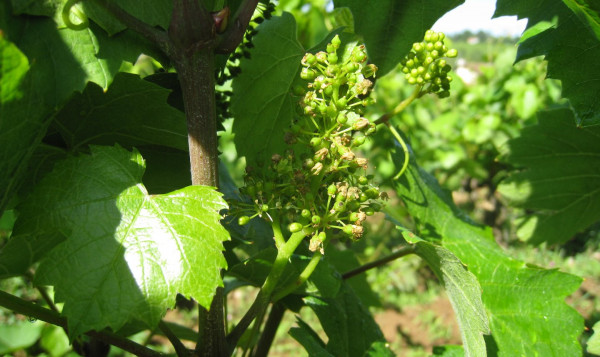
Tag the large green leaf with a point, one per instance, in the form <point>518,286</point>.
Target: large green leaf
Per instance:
<point>105,117</point>
<point>560,180</point>
<point>571,48</point>
<point>61,61</point>
<point>463,291</point>
<point>390,27</point>
<point>125,254</point>
<point>348,324</point>
<point>525,304</point>
<point>263,106</point>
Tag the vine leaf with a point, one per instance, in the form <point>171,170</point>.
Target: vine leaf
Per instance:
<point>561,177</point>
<point>348,324</point>
<point>125,254</point>
<point>20,118</point>
<point>525,304</point>
<point>265,107</point>
<point>572,59</point>
<point>103,117</point>
<point>57,66</point>
<point>587,11</point>
<point>390,27</point>
<point>463,291</point>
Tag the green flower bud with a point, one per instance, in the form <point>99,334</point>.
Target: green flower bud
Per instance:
<point>316,219</point>
<point>309,59</point>
<point>341,103</point>
<point>314,142</point>
<point>307,74</point>
<point>331,190</point>
<point>347,229</point>
<point>264,207</point>
<point>305,213</point>
<point>363,180</point>
<point>295,227</point>
<point>321,57</point>
<point>358,141</point>
<point>452,53</point>
<point>336,42</point>
<point>353,205</point>
<point>360,123</point>
<point>363,197</point>
<point>243,220</point>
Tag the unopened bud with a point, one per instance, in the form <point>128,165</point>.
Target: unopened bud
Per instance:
<point>360,123</point>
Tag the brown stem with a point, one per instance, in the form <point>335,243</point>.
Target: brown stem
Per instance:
<point>196,76</point>
<point>232,37</point>
<point>175,341</point>
<point>211,340</point>
<point>361,269</point>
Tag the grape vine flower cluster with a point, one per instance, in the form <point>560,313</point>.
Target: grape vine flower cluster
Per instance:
<point>319,185</point>
<point>425,66</point>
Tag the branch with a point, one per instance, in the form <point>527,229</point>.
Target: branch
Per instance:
<point>400,107</point>
<point>176,342</point>
<point>271,326</point>
<point>302,278</point>
<point>30,309</point>
<point>234,336</point>
<point>154,35</point>
<point>235,33</point>
<point>399,254</point>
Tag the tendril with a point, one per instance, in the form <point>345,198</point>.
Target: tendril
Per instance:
<point>69,11</point>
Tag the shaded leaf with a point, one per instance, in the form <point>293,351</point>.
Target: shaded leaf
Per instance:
<point>390,27</point>
<point>348,324</point>
<point>344,261</point>
<point>125,254</point>
<point>525,304</point>
<point>463,291</point>
<point>309,339</point>
<point>571,58</point>
<point>21,118</point>
<point>59,65</point>
<point>560,180</point>
<point>152,12</point>
<point>265,107</point>
<point>105,117</point>
<point>587,11</point>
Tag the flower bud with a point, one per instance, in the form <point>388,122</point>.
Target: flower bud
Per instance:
<point>317,168</point>
<point>360,123</point>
